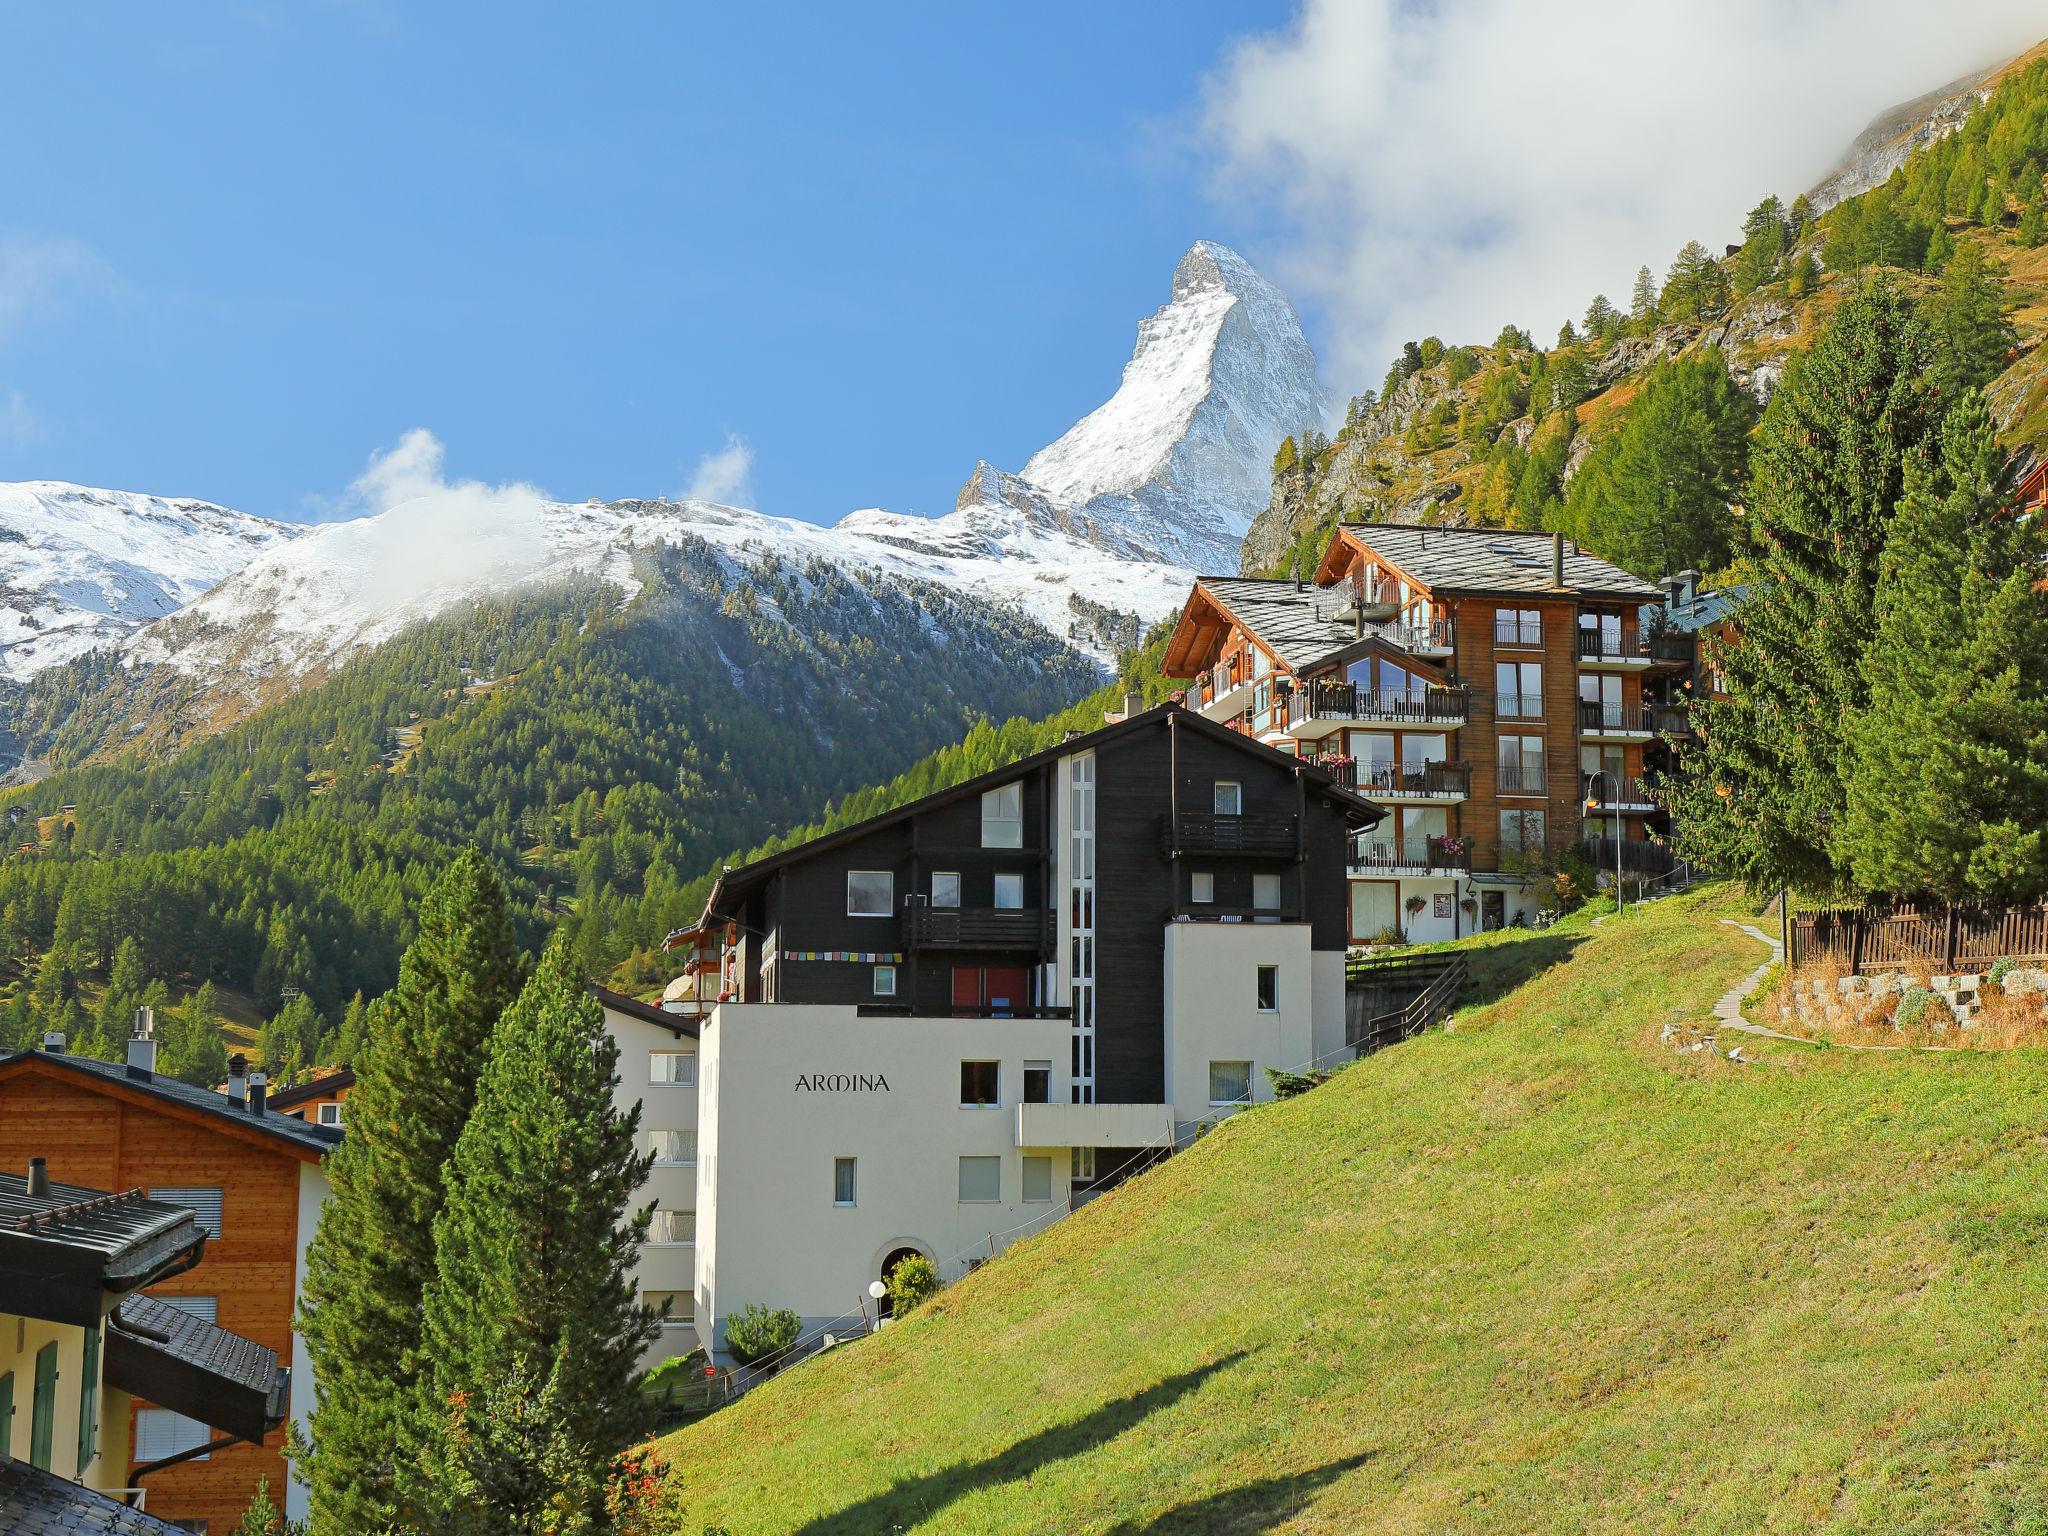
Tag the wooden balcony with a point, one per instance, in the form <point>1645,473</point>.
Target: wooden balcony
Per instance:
<point>1320,707</point>
<point>1205,832</point>
<point>1674,647</point>
<point>1673,720</point>
<point>1439,782</point>
<point>1513,632</point>
<point>1607,650</point>
<point>980,928</point>
<point>1614,722</point>
<point>1522,780</point>
<point>1612,792</point>
<point>1432,856</point>
<point>1639,856</point>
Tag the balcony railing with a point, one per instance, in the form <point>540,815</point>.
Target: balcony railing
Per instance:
<point>1639,856</point>
<point>1629,719</point>
<point>1517,706</point>
<point>1521,779</point>
<point>1670,719</point>
<point>1434,705</point>
<point>1204,832</point>
<point>1611,791</point>
<point>1674,645</point>
<point>979,928</point>
<point>1435,635</point>
<point>1608,645</point>
<point>1435,781</point>
<point>1517,632</point>
<point>1434,855</point>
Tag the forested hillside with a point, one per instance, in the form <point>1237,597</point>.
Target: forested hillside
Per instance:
<point>603,752</point>
<point>1629,431</point>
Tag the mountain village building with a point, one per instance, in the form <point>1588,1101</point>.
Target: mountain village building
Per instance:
<point>1484,684</point>
<point>940,1028</point>
<point>251,1179</point>
<point>81,1345</point>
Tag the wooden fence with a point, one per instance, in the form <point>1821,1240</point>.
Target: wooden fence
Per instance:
<point>1963,937</point>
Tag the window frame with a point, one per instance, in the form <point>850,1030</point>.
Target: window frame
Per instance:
<point>945,874</point>
<point>1270,880</point>
<point>995,1067</point>
<point>672,1242</point>
<point>1266,989</point>
<point>1044,1163</point>
<point>689,1080</point>
<point>885,973</point>
<point>851,1165</point>
<point>1015,878</point>
<point>1236,796</point>
<point>1223,1103</point>
<point>328,1114</point>
<point>204,1436</point>
<point>1201,887</point>
<point>687,1160</point>
<point>999,822</point>
<point>1037,1068</point>
<point>672,1319</point>
<point>889,901</point>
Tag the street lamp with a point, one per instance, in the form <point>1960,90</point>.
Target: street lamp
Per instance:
<point>1593,806</point>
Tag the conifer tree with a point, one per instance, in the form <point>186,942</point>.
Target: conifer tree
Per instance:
<point>191,1049</point>
<point>534,1250</point>
<point>1827,472</point>
<point>1642,304</point>
<point>1968,317</point>
<point>1948,788</point>
<point>372,1256</point>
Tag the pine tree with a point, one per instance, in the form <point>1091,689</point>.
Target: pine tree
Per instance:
<point>344,1047</point>
<point>1765,799</point>
<point>372,1256</point>
<point>1948,788</point>
<point>1968,317</point>
<point>291,1038</point>
<point>534,1251</point>
<point>1696,288</point>
<point>192,1049</point>
<point>1642,304</point>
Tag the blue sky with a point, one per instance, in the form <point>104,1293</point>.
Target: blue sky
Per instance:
<point>242,247</point>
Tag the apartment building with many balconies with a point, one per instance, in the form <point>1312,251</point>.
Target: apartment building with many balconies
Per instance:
<point>1484,685</point>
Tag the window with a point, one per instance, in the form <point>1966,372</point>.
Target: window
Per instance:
<point>1229,798</point>
<point>1418,825</point>
<point>677,1309</point>
<point>1201,886</point>
<point>945,887</point>
<point>978,1084</point>
<point>1521,831</point>
<point>1037,1082</point>
<point>1230,1082</point>
<point>1037,1178</point>
<point>160,1433</point>
<point>1419,749</point>
<point>330,1114</point>
<point>1374,909</point>
<point>1268,989</point>
<point>1082,1169</point>
<point>43,1411</point>
<point>1009,893</point>
<point>205,1308</point>
<point>204,1203</point>
<point>981,1180</point>
<point>1518,690</point>
<point>678,1069</point>
<point>1517,626</point>
<point>675,1147</point>
<point>1521,765</point>
<point>89,1400</point>
<point>1002,817</point>
<point>1266,893</point>
<point>673,1228</point>
<point>885,981</point>
<point>870,893</point>
<point>845,1180</point>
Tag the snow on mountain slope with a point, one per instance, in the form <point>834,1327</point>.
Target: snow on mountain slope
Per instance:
<point>81,568</point>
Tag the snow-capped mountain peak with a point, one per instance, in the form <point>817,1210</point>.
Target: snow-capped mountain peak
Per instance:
<point>81,568</point>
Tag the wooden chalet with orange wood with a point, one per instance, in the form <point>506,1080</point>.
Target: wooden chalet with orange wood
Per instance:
<point>1485,684</point>
<point>252,1177</point>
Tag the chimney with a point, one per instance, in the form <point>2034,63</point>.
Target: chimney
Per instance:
<point>1557,559</point>
<point>1358,623</point>
<point>238,1074</point>
<point>1134,704</point>
<point>142,1043</point>
<point>1687,581</point>
<point>53,1041</point>
<point>39,1177</point>
<point>257,1092</point>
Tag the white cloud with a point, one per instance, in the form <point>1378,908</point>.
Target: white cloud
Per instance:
<point>724,475</point>
<point>1446,168</point>
<point>20,427</point>
<point>433,534</point>
<point>37,274</point>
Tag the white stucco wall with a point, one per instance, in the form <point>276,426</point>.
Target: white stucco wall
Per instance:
<point>669,1186</point>
<point>313,1192</point>
<point>768,1229</point>
<point>1326,975</point>
<point>1211,1006</point>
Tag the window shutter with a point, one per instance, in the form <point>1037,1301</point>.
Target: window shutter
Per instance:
<point>88,1400</point>
<point>159,1433</point>
<point>206,1308</point>
<point>204,1203</point>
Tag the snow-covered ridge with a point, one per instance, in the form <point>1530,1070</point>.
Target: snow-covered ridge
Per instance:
<point>81,568</point>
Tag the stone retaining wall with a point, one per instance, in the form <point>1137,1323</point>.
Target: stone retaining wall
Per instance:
<point>1852,1000</point>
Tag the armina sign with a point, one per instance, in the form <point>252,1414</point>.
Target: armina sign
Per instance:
<point>841,1082</point>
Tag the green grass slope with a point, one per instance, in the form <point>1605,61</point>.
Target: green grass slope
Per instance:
<point>1537,1273</point>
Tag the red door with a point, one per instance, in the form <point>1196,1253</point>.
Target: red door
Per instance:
<point>967,989</point>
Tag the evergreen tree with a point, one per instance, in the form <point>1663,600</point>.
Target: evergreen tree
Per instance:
<point>534,1250</point>
<point>1801,215</point>
<point>1642,304</point>
<point>372,1256</point>
<point>1764,801</point>
<point>1567,336</point>
<point>1948,789</point>
<point>1655,496</point>
<point>291,1038</point>
<point>191,1048</point>
<point>1804,276</point>
<point>344,1048</point>
<point>1696,288</point>
<point>1968,318</point>
<point>1601,319</point>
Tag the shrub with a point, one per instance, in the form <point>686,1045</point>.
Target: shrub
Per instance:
<point>1387,935</point>
<point>1287,1084</point>
<point>1913,1007</point>
<point>2000,969</point>
<point>756,1333</point>
<point>673,1372</point>
<point>912,1282</point>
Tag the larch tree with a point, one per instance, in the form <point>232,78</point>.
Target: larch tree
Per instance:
<point>1642,304</point>
<point>532,1319</point>
<point>1948,788</point>
<point>373,1254</point>
<point>1827,471</point>
<point>1968,317</point>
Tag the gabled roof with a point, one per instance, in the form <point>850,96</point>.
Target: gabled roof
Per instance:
<point>63,1252</point>
<point>176,1360</point>
<point>647,1013</point>
<point>38,1503</point>
<point>1293,621</point>
<point>1706,609</point>
<point>314,1088</point>
<point>284,1132</point>
<point>1481,562</point>
<point>733,881</point>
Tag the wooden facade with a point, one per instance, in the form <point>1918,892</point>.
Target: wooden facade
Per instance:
<point>107,1134</point>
